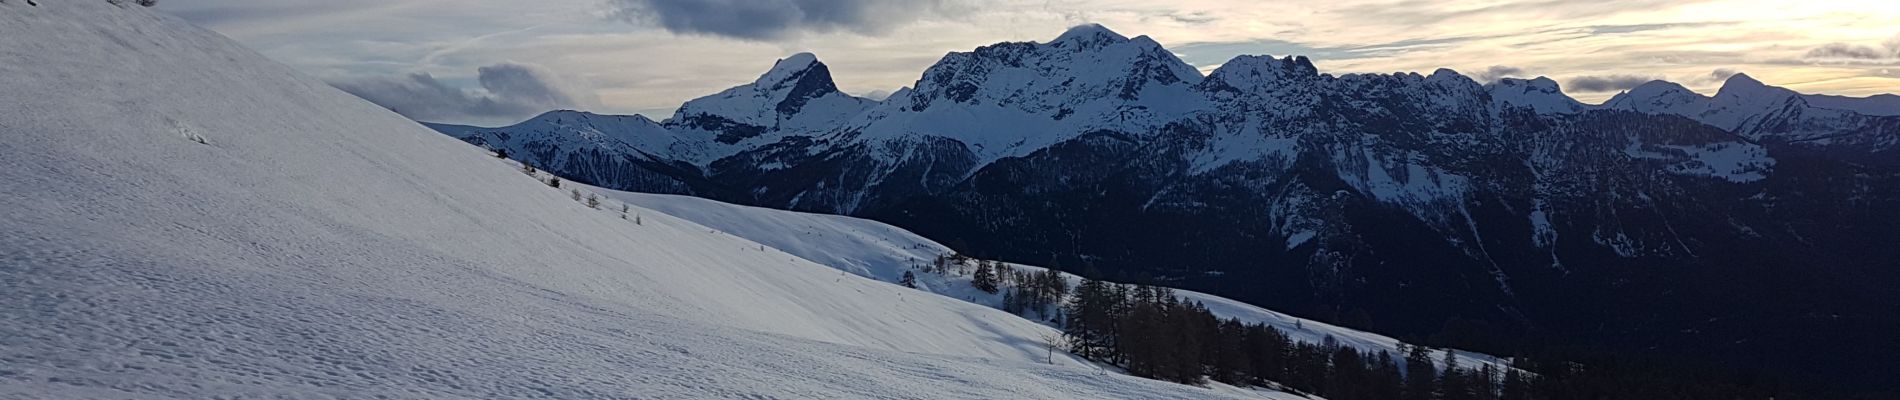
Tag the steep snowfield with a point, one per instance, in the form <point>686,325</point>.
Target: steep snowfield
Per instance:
<point>183,218</point>
<point>882,252</point>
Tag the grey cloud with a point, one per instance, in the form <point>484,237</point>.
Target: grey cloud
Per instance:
<point>1427,12</point>
<point>776,19</point>
<point>1836,51</point>
<point>510,92</point>
<point>1605,83</point>
<point>1497,72</point>
<point>1854,53</point>
<point>1416,44</point>
<point>1615,29</point>
<point>1193,18</point>
<point>532,84</point>
<point>1717,76</point>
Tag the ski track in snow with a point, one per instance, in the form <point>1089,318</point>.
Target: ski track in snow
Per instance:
<point>186,219</point>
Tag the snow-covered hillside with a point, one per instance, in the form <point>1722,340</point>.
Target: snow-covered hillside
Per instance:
<point>186,219</point>
<point>882,252</point>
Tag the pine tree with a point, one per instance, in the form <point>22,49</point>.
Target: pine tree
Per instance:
<point>1516,386</point>
<point>985,279</point>
<point>1268,348</point>
<point>1420,375</point>
<point>1012,303</point>
<point>1349,379</point>
<point>909,280</point>
<point>1386,382</point>
<point>1139,337</point>
<point>1087,320</point>
<point>1484,385</point>
<point>1231,364</point>
<point>1452,384</point>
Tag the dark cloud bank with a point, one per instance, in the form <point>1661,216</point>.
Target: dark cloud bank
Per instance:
<point>510,92</point>
<point>1888,51</point>
<point>1605,83</point>
<point>777,19</point>
<point>1497,72</point>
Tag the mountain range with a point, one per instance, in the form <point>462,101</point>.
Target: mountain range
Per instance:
<point>1502,216</point>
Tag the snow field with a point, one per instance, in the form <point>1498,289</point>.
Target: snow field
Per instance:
<point>186,219</point>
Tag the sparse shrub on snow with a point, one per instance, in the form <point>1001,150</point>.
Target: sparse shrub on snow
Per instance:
<point>593,201</point>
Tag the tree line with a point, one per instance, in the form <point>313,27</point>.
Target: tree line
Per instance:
<point>1152,333</point>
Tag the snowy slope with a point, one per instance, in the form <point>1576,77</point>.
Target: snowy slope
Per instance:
<point>878,251</point>
<point>186,219</point>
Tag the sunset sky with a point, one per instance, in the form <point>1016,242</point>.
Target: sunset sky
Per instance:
<point>494,62</point>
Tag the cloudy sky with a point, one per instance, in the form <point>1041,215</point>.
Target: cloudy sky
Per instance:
<point>496,62</point>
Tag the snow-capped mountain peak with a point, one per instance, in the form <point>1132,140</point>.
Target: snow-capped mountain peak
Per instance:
<point>1088,35</point>
<point>1659,97</point>
<point>1742,82</point>
<point>1757,111</point>
<point>1088,60</point>
<point>1249,74</point>
<point>1743,89</point>
<point>1743,99</point>
<point>797,95</point>
<point>793,67</point>
<point>1090,76</point>
<point>1542,95</point>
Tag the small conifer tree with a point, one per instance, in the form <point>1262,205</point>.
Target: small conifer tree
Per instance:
<point>985,278</point>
